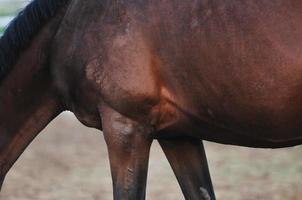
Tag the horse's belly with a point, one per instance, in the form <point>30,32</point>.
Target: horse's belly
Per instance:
<point>252,130</point>
<point>264,119</point>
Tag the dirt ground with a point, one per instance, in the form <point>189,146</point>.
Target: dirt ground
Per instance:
<point>69,162</point>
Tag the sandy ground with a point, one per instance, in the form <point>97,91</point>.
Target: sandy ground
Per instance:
<point>69,162</point>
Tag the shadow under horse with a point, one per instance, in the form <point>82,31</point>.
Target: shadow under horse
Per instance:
<point>176,71</point>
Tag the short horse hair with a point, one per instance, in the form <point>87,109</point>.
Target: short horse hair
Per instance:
<point>21,30</point>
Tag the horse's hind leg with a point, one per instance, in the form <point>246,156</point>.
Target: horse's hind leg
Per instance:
<point>188,160</point>
<point>128,145</point>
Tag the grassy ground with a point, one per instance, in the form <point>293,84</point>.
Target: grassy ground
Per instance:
<point>69,161</point>
<point>1,30</point>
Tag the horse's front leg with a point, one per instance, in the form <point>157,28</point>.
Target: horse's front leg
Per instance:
<point>128,145</point>
<point>188,160</point>
<point>1,181</point>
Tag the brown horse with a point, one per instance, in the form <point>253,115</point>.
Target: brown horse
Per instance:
<point>177,71</point>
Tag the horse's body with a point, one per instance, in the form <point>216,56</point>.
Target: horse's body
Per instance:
<point>223,71</point>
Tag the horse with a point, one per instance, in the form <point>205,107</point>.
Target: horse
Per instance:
<point>180,72</point>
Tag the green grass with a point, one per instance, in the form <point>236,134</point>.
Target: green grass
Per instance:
<point>1,30</point>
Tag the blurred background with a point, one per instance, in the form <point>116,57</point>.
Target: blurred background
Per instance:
<point>8,9</point>
<point>69,161</point>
